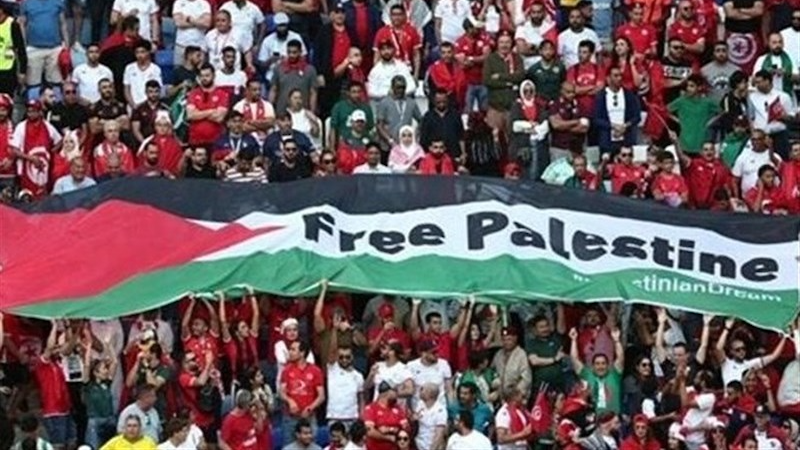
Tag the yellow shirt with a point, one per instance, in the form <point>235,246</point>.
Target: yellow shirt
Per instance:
<point>120,443</point>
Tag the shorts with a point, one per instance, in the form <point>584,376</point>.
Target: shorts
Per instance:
<point>43,61</point>
<point>60,430</point>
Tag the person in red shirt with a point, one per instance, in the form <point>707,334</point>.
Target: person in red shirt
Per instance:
<point>433,332</point>
<point>277,310</point>
<point>200,336</point>
<point>587,77</point>
<point>790,177</point>
<point>8,170</point>
<point>642,36</point>
<point>241,426</point>
<point>689,31</point>
<point>403,36</point>
<point>705,175</point>
<point>583,178</point>
<point>56,405</point>
<point>446,75</point>
<point>623,171</point>
<point>668,186</point>
<point>363,19</point>
<point>240,340</point>
<point>193,378</point>
<point>630,65</point>
<point>767,197</point>
<point>387,332</point>
<point>641,438</point>
<point>384,419</point>
<point>655,12</point>
<point>206,108</point>
<point>471,50</point>
<point>301,388</point>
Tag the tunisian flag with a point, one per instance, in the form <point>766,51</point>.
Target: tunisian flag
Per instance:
<point>541,414</point>
<point>35,138</point>
<point>170,152</point>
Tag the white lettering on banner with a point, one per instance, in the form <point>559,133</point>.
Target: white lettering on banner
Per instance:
<point>585,242</point>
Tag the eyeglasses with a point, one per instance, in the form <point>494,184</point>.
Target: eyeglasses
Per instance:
<point>626,155</point>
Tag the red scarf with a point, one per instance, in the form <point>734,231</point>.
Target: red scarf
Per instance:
<point>6,130</point>
<point>530,110</point>
<point>170,152</point>
<point>431,165</point>
<point>37,144</point>
<point>297,66</point>
<point>519,418</point>
<point>510,62</point>
<point>260,112</point>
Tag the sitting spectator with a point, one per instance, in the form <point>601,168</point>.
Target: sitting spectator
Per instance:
<point>443,123</point>
<point>151,163</point>
<point>76,179</point>
<point>233,142</point>
<point>195,164</point>
<point>373,162</point>
<point>257,113</point>
<point>351,150</point>
<point>131,438</point>
<point>144,409</point>
<point>170,150</point>
<point>241,427</point>
<point>286,131</point>
<point>353,100</point>
<point>305,122</point>
<point>767,197</point>
<point>112,145</point>
<point>405,156</point>
<point>668,186</point>
<point>623,171</point>
<point>582,177</point>
<point>292,166</point>
<point>176,432</point>
<point>245,170</point>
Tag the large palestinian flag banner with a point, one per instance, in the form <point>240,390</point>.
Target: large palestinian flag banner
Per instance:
<point>136,244</point>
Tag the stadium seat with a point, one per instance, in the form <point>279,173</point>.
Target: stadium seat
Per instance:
<point>165,59</point>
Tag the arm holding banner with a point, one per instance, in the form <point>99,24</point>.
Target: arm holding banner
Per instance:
<point>319,320</point>
<point>619,360</point>
<point>702,352</point>
<point>723,338</point>
<point>186,320</point>
<point>575,357</point>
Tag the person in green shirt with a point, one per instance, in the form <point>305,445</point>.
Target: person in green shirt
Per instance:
<point>604,379</point>
<point>97,396</point>
<point>548,73</point>
<point>545,352</point>
<point>734,141</point>
<point>694,112</point>
<point>340,114</point>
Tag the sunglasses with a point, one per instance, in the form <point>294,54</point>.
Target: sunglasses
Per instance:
<point>403,439</point>
<point>626,155</point>
<point>346,357</point>
<point>645,364</point>
<point>328,161</point>
<point>68,92</point>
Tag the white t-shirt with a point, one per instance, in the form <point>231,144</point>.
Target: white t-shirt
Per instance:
<point>272,44</point>
<point>343,389</point>
<point>136,78</point>
<point>791,45</point>
<point>365,169</point>
<point>615,104</point>
<point>67,184</point>
<point>769,60</point>
<point>695,417</point>
<point>734,370</point>
<point>534,36</point>
<point>429,420</point>
<point>244,20</point>
<point>193,9</point>
<point>759,105</point>
<point>143,8</point>
<point>475,440</point>
<point>747,164</point>
<point>236,80</point>
<point>503,420</point>
<point>452,14</point>
<point>216,42</point>
<point>88,78</point>
<point>437,374</point>
<point>568,42</point>
<point>351,446</point>
<point>395,375</point>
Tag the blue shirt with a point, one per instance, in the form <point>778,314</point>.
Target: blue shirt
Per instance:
<point>42,26</point>
<point>481,413</point>
<point>272,144</point>
<point>245,143</point>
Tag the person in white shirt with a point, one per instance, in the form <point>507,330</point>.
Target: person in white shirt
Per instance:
<point>465,437</point>
<point>379,82</point>
<point>290,331</point>
<point>230,77</point>
<point>246,18</point>
<point>769,110</point>
<point>791,43</point>
<point>373,165</point>
<point>192,20</point>
<point>147,13</point>
<point>735,364</point>
<point>391,370</point>
<point>273,47</point>
<point>512,434</point>
<point>138,73</point>
<point>569,40</point>
<point>699,400</point>
<point>345,383</point>
<point>784,73</point>
<point>177,432</point>
<point>448,19</point>
<point>110,331</point>
<point>87,76</point>
<point>223,36</point>
<point>754,155</point>
<point>431,416</point>
<point>529,36</point>
<point>429,368</point>
<point>76,179</point>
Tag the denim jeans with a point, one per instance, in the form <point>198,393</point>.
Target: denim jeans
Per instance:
<point>99,430</point>
<point>476,93</point>
<point>540,159</point>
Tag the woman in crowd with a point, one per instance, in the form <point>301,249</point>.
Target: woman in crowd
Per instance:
<point>404,156</point>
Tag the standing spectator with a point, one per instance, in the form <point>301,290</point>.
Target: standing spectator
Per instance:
<point>144,409</point>
<point>258,114</point>
<point>199,387</point>
<point>734,362</point>
<point>386,68</point>
<point>472,49</point>
<point>345,383</point>
<point>705,175</point>
<point>240,338</point>
<point>131,437</point>
<point>430,369</point>
<point>767,197</point>
<point>405,39</point>
<point>791,43</point>
<point>769,109</point>
<point>303,437</point>
<point>447,75</point>
<point>88,75</point>
<point>246,18</point>
<point>45,33</point>
<point>545,353</point>
<point>570,38</point>
<point>468,401</point>
<point>587,78</point>
<point>718,71</point>
<point>112,145</point>
<point>184,76</point>
<point>396,111</point>
<point>687,30</point>
<point>343,110</point>
<point>222,37</point>
<point>698,401</point>
<point>147,13</point>
<point>443,124</point>
<point>241,427</point>
<point>116,52</point>
<point>784,73</point>
<point>763,429</point>
<point>149,369</point>
<point>275,46</point>
<point>743,31</point>
<point>512,423</point>
<point>304,17</point>
<point>677,69</point>
<point>391,370</point>
<point>568,125</point>
<point>176,432</point>
<point>466,437</point>
<point>139,73</point>
<point>642,35</point>
<point>434,329</point>
<point>431,417</point>
<point>76,179</point>
<point>502,70</point>
<point>448,18</point>
<point>230,77</point>
<point>511,363</point>
<point>385,419</point>
<point>363,20</point>
<point>302,390</point>
<point>206,107</point>
<point>529,131</point>
<point>694,111</point>
<point>734,103</point>
<point>669,187</point>
<point>529,37</point>
<point>754,155</point>
<point>293,73</point>
<point>548,73</point>
<point>54,394</point>
<point>14,66</point>
<point>33,141</point>
<point>331,58</point>
<point>192,20</point>
<point>642,437</point>
<point>143,119</point>
<point>617,113</point>
<point>372,165</point>
<point>604,382</point>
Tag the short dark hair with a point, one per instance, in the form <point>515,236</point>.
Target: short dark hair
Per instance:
<point>548,42</point>
<point>466,418</point>
<point>174,426</point>
<point>156,350</point>
<point>302,423</point>
<point>764,169</point>
<point>294,43</point>
<point>152,84</point>
<point>446,44</point>
<point>664,155</point>
<point>144,389</point>
<point>143,44</point>
<point>338,427</point>
<point>206,66</point>
<point>229,49</point>
<point>130,23</point>
<point>372,144</point>
<point>736,78</point>
<point>191,49</point>
<point>720,44</point>
<point>764,75</point>
<point>697,79</point>
<point>735,385</point>
<point>432,315</point>
<point>587,44</point>
<point>358,430</point>
<point>289,141</point>
<point>29,423</point>
<point>233,114</point>
<point>29,443</point>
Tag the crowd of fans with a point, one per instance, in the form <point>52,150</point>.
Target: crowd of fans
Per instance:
<point>390,373</point>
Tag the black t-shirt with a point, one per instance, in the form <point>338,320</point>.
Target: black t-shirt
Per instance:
<point>107,111</point>
<point>71,117</point>
<point>281,172</point>
<point>678,71</point>
<point>207,172</point>
<point>181,74</point>
<point>743,26</point>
